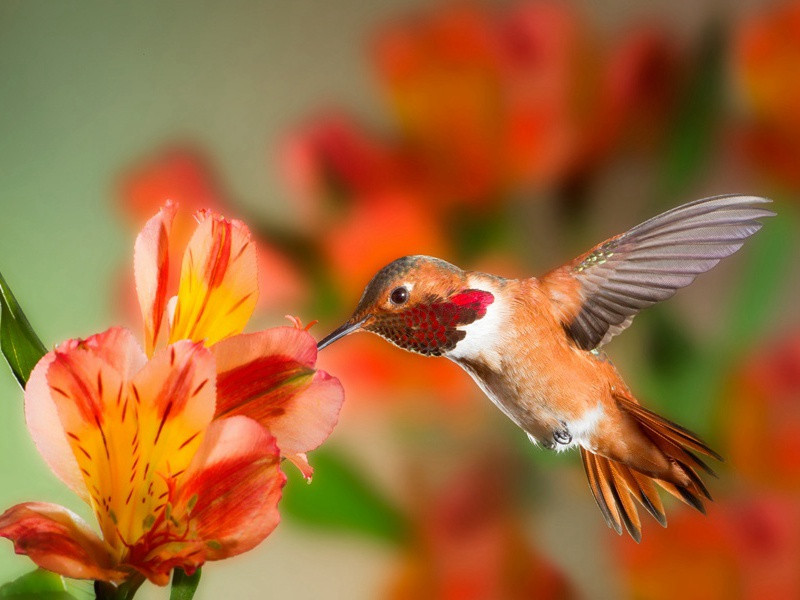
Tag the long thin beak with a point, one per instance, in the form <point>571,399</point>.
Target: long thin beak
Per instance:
<point>340,332</point>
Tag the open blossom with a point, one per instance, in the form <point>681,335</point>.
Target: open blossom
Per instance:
<point>183,175</point>
<point>176,448</point>
<point>268,375</point>
<point>135,439</point>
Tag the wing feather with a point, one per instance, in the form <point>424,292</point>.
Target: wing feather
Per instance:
<point>648,264</point>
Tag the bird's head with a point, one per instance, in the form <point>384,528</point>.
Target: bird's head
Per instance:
<point>418,303</point>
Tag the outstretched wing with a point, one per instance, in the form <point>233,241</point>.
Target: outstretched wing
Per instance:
<point>597,295</point>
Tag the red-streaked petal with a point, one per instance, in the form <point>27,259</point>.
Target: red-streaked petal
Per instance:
<point>151,270</point>
<point>130,434</point>
<point>219,287</point>
<point>233,487</point>
<point>115,354</point>
<point>46,430</point>
<point>269,376</point>
<point>59,541</point>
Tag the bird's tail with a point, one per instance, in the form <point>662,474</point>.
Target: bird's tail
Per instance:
<point>616,485</point>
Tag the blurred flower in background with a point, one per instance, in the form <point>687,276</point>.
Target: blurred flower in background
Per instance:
<point>469,542</point>
<point>767,68</point>
<point>745,548</point>
<point>762,418</point>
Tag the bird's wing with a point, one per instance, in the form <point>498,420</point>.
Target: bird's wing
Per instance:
<point>597,295</point>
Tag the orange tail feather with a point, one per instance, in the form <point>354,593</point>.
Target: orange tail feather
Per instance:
<point>615,485</point>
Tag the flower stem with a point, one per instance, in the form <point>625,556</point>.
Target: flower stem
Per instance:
<point>125,591</point>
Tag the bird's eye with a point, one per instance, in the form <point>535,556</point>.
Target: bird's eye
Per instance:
<point>399,295</point>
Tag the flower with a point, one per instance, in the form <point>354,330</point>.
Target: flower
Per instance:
<point>488,102</point>
<point>766,64</point>
<point>135,439</point>
<point>268,375</point>
<point>176,448</point>
<point>182,175</point>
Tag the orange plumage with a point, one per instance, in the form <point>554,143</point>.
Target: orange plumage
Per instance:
<point>533,345</point>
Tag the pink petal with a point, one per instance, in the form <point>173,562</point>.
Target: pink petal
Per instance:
<point>269,376</point>
<point>46,430</point>
<point>151,270</point>
<point>233,486</point>
<point>59,541</point>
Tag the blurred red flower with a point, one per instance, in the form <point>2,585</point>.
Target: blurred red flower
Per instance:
<point>762,417</point>
<point>470,544</point>
<point>766,61</point>
<point>748,549</point>
<point>489,102</point>
<point>486,103</point>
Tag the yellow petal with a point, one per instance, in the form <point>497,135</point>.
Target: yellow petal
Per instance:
<point>218,287</point>
<point>131,433</point>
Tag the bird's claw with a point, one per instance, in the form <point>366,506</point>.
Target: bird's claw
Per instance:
<point>562,436</point>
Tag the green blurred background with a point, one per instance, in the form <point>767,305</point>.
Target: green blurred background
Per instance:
<point>505,136</point>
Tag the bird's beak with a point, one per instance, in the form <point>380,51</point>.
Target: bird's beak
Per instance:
<point>340,332</point>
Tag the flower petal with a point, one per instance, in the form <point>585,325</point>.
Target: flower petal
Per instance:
<point>131,434</point>
<point>44,425</point>
<point>59,541</point>
<point>269,376</point>
<point>233,487</point>
<point>151,270</point>
<point>218,288</point>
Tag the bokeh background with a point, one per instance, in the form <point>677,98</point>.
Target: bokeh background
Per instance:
<point>507,137</point>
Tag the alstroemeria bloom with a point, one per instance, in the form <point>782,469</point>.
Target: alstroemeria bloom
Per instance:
<point>268,375</point>
<point>136,439</point>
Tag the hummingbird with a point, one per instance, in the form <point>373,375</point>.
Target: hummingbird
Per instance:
<point>535,346</point>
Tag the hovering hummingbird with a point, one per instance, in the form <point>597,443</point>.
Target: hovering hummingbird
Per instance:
<point>534,345</point>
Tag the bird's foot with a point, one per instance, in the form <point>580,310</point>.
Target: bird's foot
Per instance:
<point>562,436</point>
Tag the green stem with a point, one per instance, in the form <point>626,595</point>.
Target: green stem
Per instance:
<point>125,591</point>
<point>184,586</point>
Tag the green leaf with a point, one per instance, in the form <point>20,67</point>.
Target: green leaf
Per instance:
<point>183,585</point>
<point>697,121</point>
<point>340,498</point>
<point>20,345</point>
<point>36,585</point>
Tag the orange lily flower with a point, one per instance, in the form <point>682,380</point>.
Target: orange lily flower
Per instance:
<point>175,448</point>
<point>185,176</point>
<point>135,438</point>
<point>268,375</point>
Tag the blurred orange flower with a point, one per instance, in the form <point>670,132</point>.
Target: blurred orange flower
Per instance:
<point>489,102</point>
<point>470,544</point>
<point>766,61</point>
<point>762,417</point>
<point>748,549</point>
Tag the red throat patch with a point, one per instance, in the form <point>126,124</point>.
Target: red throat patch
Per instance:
<point>431,329</point>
